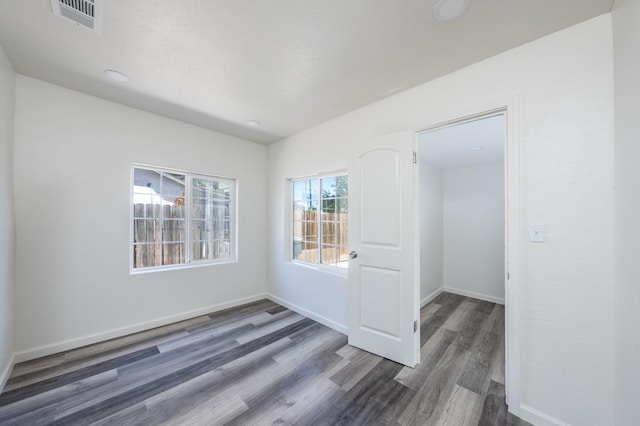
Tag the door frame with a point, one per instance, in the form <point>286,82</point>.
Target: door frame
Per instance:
<point>511,110</point>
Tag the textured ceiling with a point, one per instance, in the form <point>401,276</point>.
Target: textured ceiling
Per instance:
<point>290,64</point>
<point>467,144</point>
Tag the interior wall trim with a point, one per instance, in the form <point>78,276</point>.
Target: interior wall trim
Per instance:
<point>342,328</point>
<point>430,297</point>
<point>480,296</point>
<point>56,347</point>
<point>7,371</point>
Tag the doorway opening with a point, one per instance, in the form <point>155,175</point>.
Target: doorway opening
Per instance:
<point>462,220</point>
<point>462,209</point>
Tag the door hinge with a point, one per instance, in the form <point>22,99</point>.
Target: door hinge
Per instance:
<point>415,326</point>
<point>415,157</point>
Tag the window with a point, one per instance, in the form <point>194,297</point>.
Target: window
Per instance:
<point>180,218</point>
<point>320,221</point>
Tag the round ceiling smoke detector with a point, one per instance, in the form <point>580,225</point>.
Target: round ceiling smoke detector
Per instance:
<point>448,10</point>
<point>116,76</point>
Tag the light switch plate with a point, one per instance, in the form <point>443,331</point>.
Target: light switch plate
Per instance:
<point>536,233</point>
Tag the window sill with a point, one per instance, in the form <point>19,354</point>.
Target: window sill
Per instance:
<point>334,270</point>
<point>178,267</point>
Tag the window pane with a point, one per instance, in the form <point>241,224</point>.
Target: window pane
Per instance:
<point>146,255</point>
<point>310,231</point>
<point>305,190</point>
<point>298,191</point>
<point>320,205</point>
<point>173,230</point>
<point>211,218</point>
<point>146,181</point>
<point>343,257</point>
<point>341,236</point>
<point>173,253</point>
<point>146,230</point>
<point>328,254</point>
<point>328,206</point>
<point>297,230</point>
<point>159,208</point>
<point>297,247</point>
<point>309,252</point>
<point>342,186</point>
<point>342,205</point>
<point>173,189</point>
<point>311,210</point>
<point>329,187</point>
<point>298,211</point>
<point>328,232</point>
<point>210,250</point>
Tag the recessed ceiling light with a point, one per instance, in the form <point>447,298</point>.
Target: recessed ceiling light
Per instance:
<point>116,76</point>
<point>476,148</point>
<point>253,123</point>
<point>447,10</point>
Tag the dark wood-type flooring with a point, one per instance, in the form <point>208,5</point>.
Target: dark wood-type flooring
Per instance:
<point>263,364</point>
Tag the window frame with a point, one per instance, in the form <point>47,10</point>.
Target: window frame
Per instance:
<point>188,241</point>
<point>290,197</point>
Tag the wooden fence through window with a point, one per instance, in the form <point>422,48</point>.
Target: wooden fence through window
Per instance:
<point>160,239</point>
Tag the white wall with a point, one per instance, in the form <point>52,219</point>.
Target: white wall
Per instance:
<point>320,295</point>
<point>7,235</point>
<point>431,231</point>
<point>564,86</point>
<point>473,209</point>
<point>626,31</point>
<point>72,184</point>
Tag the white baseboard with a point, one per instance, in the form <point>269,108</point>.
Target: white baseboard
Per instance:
<point>7,371</point>
<point>475,295</point>
<point>309,314</point>
<point>430,297</point>
<point>53,348</point>
<point>537,417</point>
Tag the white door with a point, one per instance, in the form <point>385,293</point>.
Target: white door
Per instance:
<point>383,291</point>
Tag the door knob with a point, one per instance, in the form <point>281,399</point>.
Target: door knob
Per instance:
<point>353,254</point>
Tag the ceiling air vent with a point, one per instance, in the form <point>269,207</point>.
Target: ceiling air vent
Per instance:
<point>87,13</point>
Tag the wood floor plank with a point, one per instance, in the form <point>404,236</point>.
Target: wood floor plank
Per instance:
<point>437,320</point>
<point>463,408</point>
<point>314,339</point>
<point>428,403</point>
<point>56,395</point>
<point>140,393</point>
<point>279,320</point>
<point>73,376</point>
<point>475,372</point>
<point>484,306</point>
<point>469,329</point>
<point>278,398</point>
<point>428,310</point>
<point>220,410</point>
<point>262,364</point>
<point>431,354</point>
<point>109,348</point>
<point>229,381</point>
<point>497,371</point>
<point>231,315</point>
<point>358,366</point>
<point>495,410</point>
<point>376,399</point>
<point>458,318</point>
<point>135,415</point>
<point>495,321</point>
